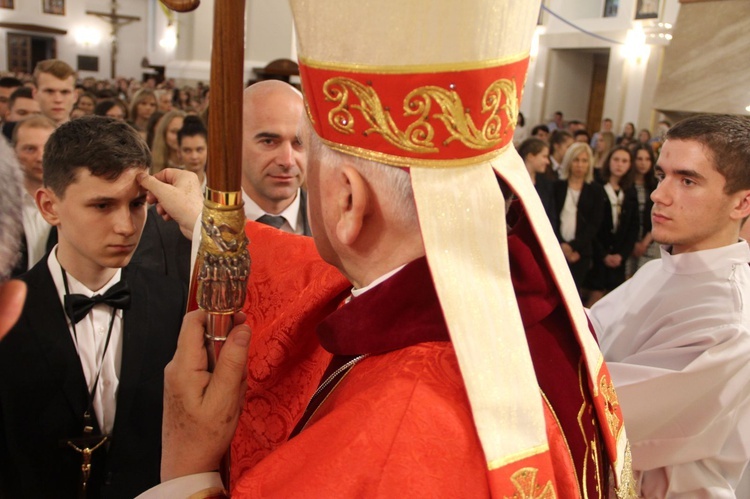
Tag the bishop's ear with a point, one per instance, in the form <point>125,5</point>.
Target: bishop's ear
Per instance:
<point>353,199</point>
<point>46,201</point>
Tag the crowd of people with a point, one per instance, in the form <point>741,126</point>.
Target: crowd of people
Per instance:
<point>142,104</point>
<point>597,195</point>
<point>382,346</point>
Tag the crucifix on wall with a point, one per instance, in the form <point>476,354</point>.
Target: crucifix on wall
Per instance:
<point>116,21</point>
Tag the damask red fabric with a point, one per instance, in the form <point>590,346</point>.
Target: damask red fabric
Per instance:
<point>398,420</point>
<point>290,291</point>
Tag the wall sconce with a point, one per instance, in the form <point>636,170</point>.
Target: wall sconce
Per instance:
<point>87,37</point>
<point>169,40</point>
<point>635,47</point>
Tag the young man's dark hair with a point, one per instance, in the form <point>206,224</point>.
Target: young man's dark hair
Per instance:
<point>7,84</point>
<point>536,129</point>
<point>20,93</point>
<point>10,82</point>
<point>111,147</point>
<point>727,140</point>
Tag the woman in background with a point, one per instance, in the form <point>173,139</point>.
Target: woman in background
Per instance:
<point>193,141</point>
<point>604,144</point>
<point>114,108</point>
<point>141,109</point>
<point>644,183</point>
<point>535,155</point>
<point>628,135</point>
<point>579,204</point>
<point>86,103</point>
<point>619,228</point>
<point>166,151</point>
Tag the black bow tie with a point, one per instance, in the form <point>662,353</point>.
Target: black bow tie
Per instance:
<point>78,306</point>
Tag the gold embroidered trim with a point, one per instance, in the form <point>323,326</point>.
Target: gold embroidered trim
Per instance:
<point>505,461</point>
<point>524,480</point>
<point>626,490</point>
<point>500,96</point>
<point>598,369</point>
<point>413,68</point>
<point>402,161</point>
<point>610,397</point>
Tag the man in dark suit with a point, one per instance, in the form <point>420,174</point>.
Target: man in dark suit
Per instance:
<point>274,160</point>
<point>81,373</point>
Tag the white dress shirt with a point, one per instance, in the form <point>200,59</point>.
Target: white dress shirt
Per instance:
<point>569,215</point>
<point>36,230</point>
<point>676,338</point>
<point>292,214</point>
<point>89,339</point>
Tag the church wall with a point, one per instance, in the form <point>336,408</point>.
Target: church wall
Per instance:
<point>136,40</point>
<point>631,78</point>
<point>269,36</point>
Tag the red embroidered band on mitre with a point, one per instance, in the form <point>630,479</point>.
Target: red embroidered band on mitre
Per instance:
<point>420,118</point>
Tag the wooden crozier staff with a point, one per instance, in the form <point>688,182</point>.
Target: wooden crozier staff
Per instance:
<point>219,280</point>
<point>223,263</point>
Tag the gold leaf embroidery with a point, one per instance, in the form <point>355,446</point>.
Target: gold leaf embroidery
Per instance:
<point>610,397</point>
<point>626,490</point>
<point>524,480</point>
<point>500,97</point>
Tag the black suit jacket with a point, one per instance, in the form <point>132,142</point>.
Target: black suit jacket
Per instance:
<point>623,239</point>
<point>43,393</point>
<point>546,190</point>
<point>589,214</point>
<point>22,265</point>
<point>163,248</point>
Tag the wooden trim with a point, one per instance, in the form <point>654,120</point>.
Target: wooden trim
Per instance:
<point>34,27</point>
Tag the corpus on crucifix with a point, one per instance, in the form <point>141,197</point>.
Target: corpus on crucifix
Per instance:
<point>116,21</point>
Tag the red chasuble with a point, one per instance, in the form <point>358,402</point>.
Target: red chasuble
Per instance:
<point>399,420</point>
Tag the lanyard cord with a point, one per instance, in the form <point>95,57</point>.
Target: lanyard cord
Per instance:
<point>69,314</point>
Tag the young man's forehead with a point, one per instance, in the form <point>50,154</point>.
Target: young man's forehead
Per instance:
<point>49,80</point>
<point>84,172</point>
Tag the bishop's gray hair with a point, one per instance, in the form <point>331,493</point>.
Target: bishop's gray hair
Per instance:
<point>393,180</point>
<point>11,190</point>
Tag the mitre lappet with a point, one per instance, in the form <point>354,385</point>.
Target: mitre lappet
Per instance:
<point>434,87</point>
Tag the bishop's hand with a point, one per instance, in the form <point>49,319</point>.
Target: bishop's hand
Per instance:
<point>177,194</point>
<point>201,409</point>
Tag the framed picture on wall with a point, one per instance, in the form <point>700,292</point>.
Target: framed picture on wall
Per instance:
<point>6,4</point>
<point>53,7</point>
<point>611,7</point>
<point>647,9</point>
